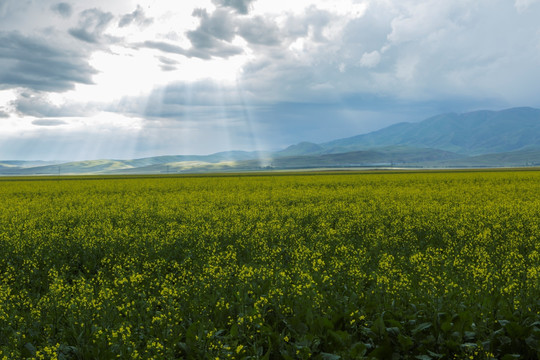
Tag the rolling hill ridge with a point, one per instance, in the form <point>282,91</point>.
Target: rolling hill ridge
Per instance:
<point>484,138</point>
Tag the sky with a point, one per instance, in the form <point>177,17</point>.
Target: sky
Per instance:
<point>82,80</point>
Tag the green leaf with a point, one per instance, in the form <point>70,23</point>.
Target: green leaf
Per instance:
<point>383,351</point>
<point>393,331</point>
<point>504,340</point>
<point>423,357</point>
<point>378,326</point>
<point>234,330</point>
<point>446,326</point>
<point>532,342</point>
<point>515,330</point>
<point>339,337</point>
<point>469,345</point>
<point>435,355</point>
<point>328,356</point>
<point>405,341</point>
<point>511,356</point>
<point>30,348</point>
<point>358,350</point>
<point>421,327</point>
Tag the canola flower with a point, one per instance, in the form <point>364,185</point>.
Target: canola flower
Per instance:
<point>354,265</point>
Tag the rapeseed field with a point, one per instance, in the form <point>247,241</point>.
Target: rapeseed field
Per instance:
<point>420,265</point>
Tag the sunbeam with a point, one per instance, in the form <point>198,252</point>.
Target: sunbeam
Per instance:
<point>257,142</point>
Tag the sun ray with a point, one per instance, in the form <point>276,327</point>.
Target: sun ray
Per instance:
<point>256,141</point>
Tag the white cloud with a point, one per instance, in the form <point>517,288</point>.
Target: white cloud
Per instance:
<point>523,5</point>
<point>370,59</point>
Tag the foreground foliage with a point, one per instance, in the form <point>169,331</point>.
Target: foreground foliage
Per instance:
<point>405,265</point>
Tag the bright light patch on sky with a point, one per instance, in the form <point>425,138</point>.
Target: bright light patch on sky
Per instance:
<point>132,78</point>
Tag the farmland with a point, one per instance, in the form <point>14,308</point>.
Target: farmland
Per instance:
<point>419,265</point>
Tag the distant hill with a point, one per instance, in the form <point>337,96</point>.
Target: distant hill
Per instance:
<point>156,164</point>
<point>527,157</point>
<point>389,156</point>
<point>303,148</point>
<point>476,139</point>
<point>473,133</point>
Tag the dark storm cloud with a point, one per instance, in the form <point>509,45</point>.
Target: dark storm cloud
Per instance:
<point>136,17</point>
<point>241,6</point>
<point>48,122</point>
<point>63,9</point>
<point>35,63</point>
<point>3,114</point>
<point>92,24</point>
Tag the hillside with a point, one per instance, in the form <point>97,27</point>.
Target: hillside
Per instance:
<point>474,133</point>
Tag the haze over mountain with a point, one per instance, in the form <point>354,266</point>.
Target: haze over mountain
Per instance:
<point>476,139</point>
<point>472,133</point>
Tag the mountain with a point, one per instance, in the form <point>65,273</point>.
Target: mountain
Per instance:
<point>473,133</point>
<point>476,139</point>
<point>303,148</point>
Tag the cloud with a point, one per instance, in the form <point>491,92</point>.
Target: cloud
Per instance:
<point>3,114</point>
<point>523,5</point>
<point>213,29</point>
<point>48,122</point>
<point>164,46</point>
<point>38,104</point>
<point>167,64</point>
<point>137,17</point>
<point>206,54</point>
<point>213,36</point>
<point>260,31</point>
<point>63,9</point>
<point>211,39</point>
<point>38,63</point>
<point>219,25</point>
<point>370,59</point>
<point>241,6</point>
<point>92,24</point>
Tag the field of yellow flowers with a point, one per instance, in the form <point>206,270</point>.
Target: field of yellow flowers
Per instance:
<point>427,265</point>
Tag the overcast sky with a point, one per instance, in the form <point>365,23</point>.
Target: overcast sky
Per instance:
<point>124,79</point>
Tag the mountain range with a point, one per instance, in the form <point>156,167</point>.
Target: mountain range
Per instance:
<point>484,138</point>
